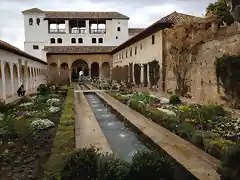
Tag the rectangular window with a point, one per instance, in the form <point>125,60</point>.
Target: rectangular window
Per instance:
<point>135,50</point>
<point>131,52</point>
<point>126,53</point>
<point>118,29</point>
<point>141,46</point>
<point>35,47</point>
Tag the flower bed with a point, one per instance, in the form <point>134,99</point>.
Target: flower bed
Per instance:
<point>64,142</point>
<point>209,127</point>
<point>27,128</point>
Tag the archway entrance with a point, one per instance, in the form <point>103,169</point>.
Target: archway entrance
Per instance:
<point>15,78</point>
<point>105,70</point>
<point>79,65</point>
<point>8,80</point>
<point>94,70</point>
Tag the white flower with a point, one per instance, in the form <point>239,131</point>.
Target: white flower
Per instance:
<point>167,111</point>
<point>53,102</point>
<point>164,100</point>
<point>26,104</point>
<point>39,124</point>
<point>53,109</point>
<point>1,116</point>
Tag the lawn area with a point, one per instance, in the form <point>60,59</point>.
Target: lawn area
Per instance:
<point>27,130</point>
<point>64,142</point>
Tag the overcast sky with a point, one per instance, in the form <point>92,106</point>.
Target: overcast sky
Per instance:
<point>141,13</point>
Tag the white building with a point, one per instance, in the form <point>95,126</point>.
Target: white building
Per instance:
<point>59,28</point>
<point>19,68</point>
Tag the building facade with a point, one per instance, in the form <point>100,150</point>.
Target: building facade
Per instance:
<point>19,68</point>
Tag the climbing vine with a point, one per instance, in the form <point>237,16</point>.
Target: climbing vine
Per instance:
<point>228,77</point>
<point>154,73</point>
<point>137,74</point>
<point>183,42</point>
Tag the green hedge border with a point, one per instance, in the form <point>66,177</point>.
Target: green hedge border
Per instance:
<point>64,142</point>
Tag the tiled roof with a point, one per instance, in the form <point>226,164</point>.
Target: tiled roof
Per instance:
<point>10,48</point>
<point>80,14</point>
<point>135,30</point>
<point>158,25</point>
<point>33,10</point>
<point>78,49</point>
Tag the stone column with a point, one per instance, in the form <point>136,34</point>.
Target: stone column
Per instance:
<point>30,79</point>
<point>142,73</point>
<point>11,75</point>
<point>87,26</point>
<point>18,75</point>
<point>3,81</point>
<point>25,80</point>
<point>89,73</point>
<point>67,26</point>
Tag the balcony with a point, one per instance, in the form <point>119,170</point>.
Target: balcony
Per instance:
<point>98,31</point>
<point>78,31</point>
<point>60,31</point>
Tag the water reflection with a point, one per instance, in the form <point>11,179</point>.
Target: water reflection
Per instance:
<point>122,140</point>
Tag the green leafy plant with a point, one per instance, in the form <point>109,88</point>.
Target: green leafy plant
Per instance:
<point>230,165</point>
<point>43,89</point>
<point>174,99</point>
<point>150,165</point>
<point>154,72</point>
<point>220,10</point>
<point>228,76</point>
<point>137,74</point>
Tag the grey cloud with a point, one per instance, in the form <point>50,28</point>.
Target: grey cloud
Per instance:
<point>11,19</point>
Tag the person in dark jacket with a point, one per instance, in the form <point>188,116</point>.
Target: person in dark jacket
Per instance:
<point>21,91</point>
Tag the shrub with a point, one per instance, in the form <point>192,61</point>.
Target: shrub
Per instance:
<point>82,164</point>
<point>186,130</point>
<point>43,89</point>
<point>150,165</point>
<point>174,99</point>
<point>111,168</point>
<point>230,165</point>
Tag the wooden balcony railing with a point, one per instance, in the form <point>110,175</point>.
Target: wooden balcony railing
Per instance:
<point>57,30</point>
<point>97,31</point>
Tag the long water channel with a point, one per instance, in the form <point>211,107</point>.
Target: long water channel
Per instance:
<point>122,138</point>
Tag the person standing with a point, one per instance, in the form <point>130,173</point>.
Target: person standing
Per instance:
<point>80,75</point>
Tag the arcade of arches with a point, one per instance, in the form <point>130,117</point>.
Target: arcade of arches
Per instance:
<point>65,68</point>
<point>14,74</point>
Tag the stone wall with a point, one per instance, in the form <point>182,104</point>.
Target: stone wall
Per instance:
<point>202,73</point>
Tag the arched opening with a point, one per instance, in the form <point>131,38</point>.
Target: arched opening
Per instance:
<point>38,21</point>
<point>32,78</point>
<point>8,84</point>
<point>80,40</point>
<point>1,84</point>
<point>30,21</point>
<point>53,72</point>
<point>79,65</point>
<point>105,70</point>
<point>64,74</point>
<point>94,40</point>
<point>15,78</point>
<point>100,40</point>
<point>59,40</point>
<point>94,70</point>
<point>73,40</point>
<point>52,40</point>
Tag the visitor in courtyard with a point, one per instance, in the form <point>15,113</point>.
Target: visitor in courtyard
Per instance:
<point>80,75</point>
<point>21,91</point>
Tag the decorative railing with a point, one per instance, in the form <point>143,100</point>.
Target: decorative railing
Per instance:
<point>57,30</point>
<point>78,31</point>
<point>97,31</point>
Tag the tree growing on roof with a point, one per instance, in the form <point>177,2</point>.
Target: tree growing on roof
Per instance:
<point>183,41</point>
<point>221,10</point>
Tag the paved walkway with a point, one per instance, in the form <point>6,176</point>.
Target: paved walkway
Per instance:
<point>16,97</point>
<point>87,130</point>
<point>200,164</point>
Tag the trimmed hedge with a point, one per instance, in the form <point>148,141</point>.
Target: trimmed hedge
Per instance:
<point>64,142</point>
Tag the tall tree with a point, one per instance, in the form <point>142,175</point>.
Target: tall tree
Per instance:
<point>221,10</point>
<point>183,40</point>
